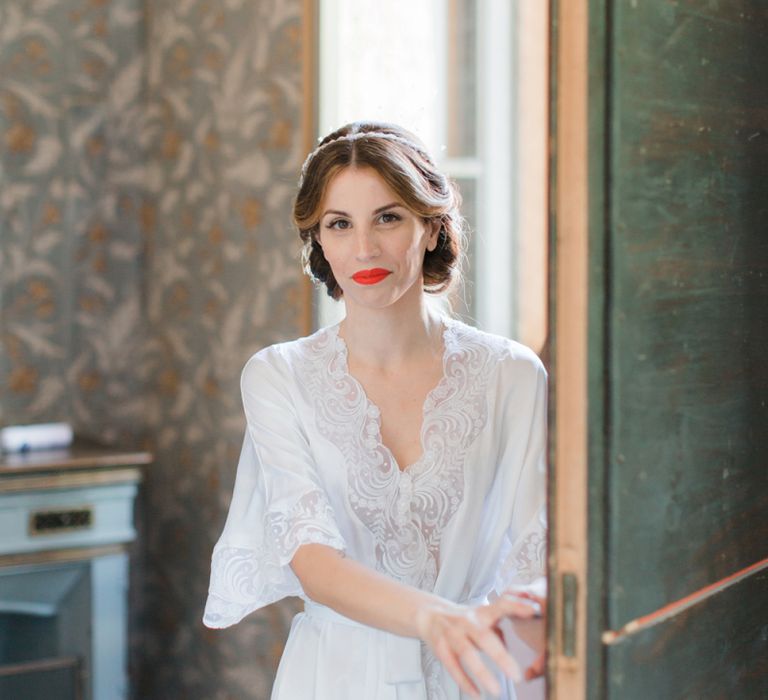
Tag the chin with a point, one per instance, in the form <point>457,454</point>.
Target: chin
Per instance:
<point>377,298</point>
<point>375,303</point>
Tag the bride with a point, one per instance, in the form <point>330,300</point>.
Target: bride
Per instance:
<point>392,472</point>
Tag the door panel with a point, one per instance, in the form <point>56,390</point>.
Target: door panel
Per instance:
<point>660,193</point>
<point>688,315</point>
<point>716,649</point>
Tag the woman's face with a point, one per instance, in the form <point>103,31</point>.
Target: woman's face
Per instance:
<point>373,243</point>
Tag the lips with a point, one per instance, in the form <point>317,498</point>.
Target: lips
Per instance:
<point>371,276</point>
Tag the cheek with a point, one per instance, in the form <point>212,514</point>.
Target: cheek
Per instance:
<point>417,249</point>
<point>330,252</point>
<point>335,258</point>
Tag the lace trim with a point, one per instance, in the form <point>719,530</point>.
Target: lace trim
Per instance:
<point>526,560</point>
<point>244,579</point>
<point>406,511</point>
<point>310,520</point>
<point>530,558</point>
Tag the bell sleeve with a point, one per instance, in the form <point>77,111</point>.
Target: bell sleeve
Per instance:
<point>278,504</point>
<point>523,560</point>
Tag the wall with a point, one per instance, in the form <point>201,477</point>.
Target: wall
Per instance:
<point>71,249</point>
<point>149,155</point>
<point>222,278</point>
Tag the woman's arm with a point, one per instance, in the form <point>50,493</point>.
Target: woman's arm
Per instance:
<point>456,633</point>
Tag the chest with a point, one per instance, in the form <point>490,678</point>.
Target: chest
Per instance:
<point>400,400</point>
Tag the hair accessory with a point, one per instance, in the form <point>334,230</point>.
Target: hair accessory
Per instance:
<point>355,136</point>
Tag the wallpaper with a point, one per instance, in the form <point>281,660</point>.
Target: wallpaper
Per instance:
<point>150,152</point>
<point>71,231</point>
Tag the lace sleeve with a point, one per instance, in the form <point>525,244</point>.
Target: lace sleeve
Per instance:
<point>523,557</point>
<point>524,562</point>
<point>278,504</point>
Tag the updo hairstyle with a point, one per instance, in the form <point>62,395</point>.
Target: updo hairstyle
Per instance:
<point>403,163</point>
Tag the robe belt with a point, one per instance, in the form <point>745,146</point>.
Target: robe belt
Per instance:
<point>402,665</point>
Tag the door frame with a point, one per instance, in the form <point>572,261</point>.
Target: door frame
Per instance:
<point>575,311</point>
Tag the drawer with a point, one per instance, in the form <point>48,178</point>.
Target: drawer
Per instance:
<point>43,519</point>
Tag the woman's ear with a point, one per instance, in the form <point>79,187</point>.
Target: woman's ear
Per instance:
<point>435,225</point>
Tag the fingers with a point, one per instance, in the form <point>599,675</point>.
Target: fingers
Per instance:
<point>536,669</point>
<point>458,647</point>
<point>470,660</point>
<point>542,602</point>
<point>459,637</point>
<point>490,641</point>
<point>489,638</point>
<point>511,605</point>
<point>451,661</point>
<point>462,641</point>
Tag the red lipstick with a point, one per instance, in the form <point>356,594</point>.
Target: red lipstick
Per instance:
<point>372,276</point>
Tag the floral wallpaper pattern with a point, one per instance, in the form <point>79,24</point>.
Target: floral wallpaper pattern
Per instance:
<point>150,152</point>
<point>71,104</point>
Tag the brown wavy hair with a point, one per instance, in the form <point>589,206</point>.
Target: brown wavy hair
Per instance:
<point>404,164</point>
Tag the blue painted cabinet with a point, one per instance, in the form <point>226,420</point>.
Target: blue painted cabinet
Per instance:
<point>66,520</point>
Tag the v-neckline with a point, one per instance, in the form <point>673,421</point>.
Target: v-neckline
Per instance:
<point>371,407</point>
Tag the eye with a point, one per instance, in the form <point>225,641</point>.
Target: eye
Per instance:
<point>389,217</point>
<point>339,224</point>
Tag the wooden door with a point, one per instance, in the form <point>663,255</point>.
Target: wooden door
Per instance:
<point>660,390</point>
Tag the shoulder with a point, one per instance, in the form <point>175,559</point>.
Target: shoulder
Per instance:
<point>515,359</point>
<point>276,364</point>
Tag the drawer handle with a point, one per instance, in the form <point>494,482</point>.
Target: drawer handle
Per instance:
<point>43,522</point>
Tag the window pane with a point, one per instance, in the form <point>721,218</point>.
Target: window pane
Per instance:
<point>461,77</point>
<point>382,61</point>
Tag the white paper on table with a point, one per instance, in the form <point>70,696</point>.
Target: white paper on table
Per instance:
<point>40,436</point>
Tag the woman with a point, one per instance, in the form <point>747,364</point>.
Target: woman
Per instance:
<point>392,471</point>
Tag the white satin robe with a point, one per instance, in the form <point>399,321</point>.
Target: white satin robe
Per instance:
<point>466,521</point>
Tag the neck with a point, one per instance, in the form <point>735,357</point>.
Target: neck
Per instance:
<point>385,338</point>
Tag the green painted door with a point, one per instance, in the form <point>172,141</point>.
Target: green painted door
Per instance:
<point>678,350</point>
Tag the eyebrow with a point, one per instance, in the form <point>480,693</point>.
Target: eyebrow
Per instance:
<point>375,211</point>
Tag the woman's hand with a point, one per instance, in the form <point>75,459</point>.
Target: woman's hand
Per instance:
<point>536,640</point>
<point>457,634</point>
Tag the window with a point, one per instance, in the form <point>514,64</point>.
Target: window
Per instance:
<point>449,70</point>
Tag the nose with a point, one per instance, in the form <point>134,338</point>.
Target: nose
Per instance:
<point>366,244</point>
